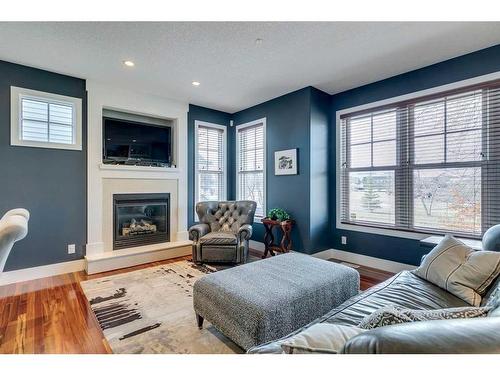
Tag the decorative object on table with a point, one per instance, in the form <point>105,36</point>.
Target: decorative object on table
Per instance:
<point>13,227</point>
<point>278,214</point>
<point>285,227</point>
<point>223,231</point>
<point>285,162</point>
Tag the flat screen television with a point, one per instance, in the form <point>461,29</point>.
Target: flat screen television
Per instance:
<point>135,143</point>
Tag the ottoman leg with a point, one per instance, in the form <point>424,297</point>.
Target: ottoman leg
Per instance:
<point>199,321</point>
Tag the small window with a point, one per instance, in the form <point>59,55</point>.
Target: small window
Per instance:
<point>251,159</point>
<point>40,119</point>
<point>210,160</point>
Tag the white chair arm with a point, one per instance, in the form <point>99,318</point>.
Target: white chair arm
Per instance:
<point>18,211</point>
<point>12,229</point>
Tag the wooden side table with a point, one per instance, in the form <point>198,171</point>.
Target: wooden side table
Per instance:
<point>286,242</point>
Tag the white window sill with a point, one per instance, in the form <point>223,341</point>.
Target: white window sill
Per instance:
<point>383,231</point>
<point>424,238</point>
<point>49,145</point>
<point>434,240</point>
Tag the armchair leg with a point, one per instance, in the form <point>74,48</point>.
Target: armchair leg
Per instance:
<point>199,321</point>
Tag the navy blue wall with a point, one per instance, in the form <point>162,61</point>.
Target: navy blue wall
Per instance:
<point>319,235</point>
<point>50,183</point>
<point>214,117</point>
<point>468,66</point>
<point>287,126</point>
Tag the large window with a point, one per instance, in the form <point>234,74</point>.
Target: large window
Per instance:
<point>251,161</point>
<point>40,119</point>
<point>425,165</point>
<point>210,176</point>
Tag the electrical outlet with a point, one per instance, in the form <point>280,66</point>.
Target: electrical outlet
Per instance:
<point>71,248</point>
<point>344,240</point>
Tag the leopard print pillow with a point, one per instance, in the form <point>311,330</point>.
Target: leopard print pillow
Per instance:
<point>390,315</point>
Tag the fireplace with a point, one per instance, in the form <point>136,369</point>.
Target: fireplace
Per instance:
<point>140,219</point>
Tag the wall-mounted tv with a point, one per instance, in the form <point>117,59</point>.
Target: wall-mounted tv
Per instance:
<point>134,143</point>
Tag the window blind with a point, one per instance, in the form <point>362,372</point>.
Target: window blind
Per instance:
<point>44,121</point>
<point>210,164</point>
<point>426,165</point>
<point>250,155</point>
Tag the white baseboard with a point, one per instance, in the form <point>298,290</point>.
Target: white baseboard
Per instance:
<point>364,260</point>
<point>27,274</point>
<point>113,260</point>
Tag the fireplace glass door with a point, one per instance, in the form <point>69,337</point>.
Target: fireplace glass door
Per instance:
<point>140,219</point>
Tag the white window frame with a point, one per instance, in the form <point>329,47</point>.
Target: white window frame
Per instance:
<point>264,171</point>
<point>377,104</point>
<point>17,94</point>
<point>197,124</point>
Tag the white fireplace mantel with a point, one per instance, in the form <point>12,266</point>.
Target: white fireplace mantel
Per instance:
<point>139,172</point>
<point>105,180</point>
<point>138,168</point>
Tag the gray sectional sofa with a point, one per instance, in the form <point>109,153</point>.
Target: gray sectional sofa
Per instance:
<point>477,335</point>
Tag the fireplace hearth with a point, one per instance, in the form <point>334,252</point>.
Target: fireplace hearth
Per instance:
<point>140,219</point>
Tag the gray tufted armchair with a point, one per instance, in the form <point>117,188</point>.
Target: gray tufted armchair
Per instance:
<point>223,231</point>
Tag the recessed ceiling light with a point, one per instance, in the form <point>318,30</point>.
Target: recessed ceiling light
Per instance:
<point>128,63</point>
<point>195,83</point>
<point>258,41</point>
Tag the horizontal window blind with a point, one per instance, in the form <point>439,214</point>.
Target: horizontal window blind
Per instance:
<point>426,165</point>
<point>210,164</point>
<point>250,155</point>
<point>45,121</point>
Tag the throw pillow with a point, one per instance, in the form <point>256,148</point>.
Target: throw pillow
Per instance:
<point>320,338</point>
<point>460,270</point>
<point>390,315</point>
<point>384,316</point>
<point>492,299</point>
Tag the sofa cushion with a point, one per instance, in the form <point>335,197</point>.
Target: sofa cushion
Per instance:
<point>390,315</point>
<point>320,338</point>
<point>219,238</point>
<point>459,269</point>
<point>404,289</point>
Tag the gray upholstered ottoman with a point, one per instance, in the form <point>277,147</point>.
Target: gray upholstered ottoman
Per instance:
<point>265,300</point>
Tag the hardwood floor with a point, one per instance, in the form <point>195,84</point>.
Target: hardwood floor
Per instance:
<point>52,315</point>
<point>368,276</point>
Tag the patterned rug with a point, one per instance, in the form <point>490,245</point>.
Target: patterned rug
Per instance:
<point>151,311</point>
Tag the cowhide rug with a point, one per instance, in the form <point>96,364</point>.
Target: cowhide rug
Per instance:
<point>151,311</point>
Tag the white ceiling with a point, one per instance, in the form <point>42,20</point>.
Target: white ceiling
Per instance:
<point>234,72</point>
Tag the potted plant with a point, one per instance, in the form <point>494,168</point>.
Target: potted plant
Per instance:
<point>278,214</point>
